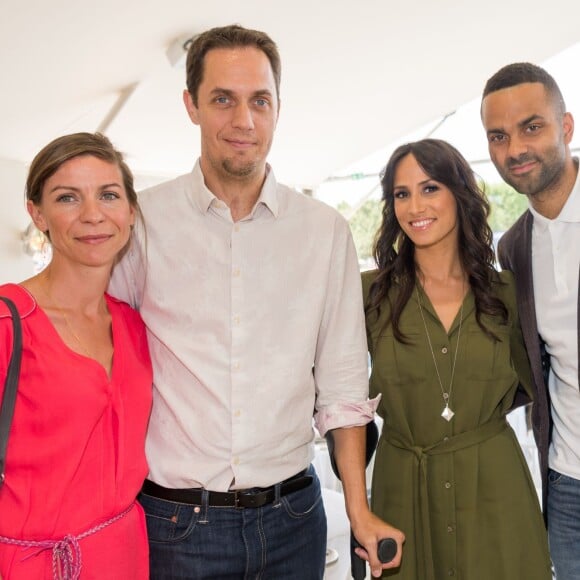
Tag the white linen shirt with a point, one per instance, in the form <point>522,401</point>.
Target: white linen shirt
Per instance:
<point>252,326</point>
<point>555,264</point>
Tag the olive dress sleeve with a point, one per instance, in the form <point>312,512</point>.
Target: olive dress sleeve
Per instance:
<point>367,280</point>
<point>519,356</point>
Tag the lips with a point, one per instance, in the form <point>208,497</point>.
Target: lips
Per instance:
<point>523,168</point>
<point>421,224</point>
<point>521,165</point>
<point>240,143</point>
<point>94,238</point>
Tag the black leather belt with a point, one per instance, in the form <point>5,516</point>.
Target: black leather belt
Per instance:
<point>243,498</point>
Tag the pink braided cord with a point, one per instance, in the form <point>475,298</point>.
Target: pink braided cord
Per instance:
<point>66,553</point>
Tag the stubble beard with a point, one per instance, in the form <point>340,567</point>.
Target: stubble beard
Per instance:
<point>552,167</point>
<point>238,170</point>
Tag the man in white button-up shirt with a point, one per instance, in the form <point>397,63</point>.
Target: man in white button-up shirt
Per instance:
<point>529,133</point>
<point>252,300</point>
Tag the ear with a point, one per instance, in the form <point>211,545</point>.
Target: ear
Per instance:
<point>37,217</point>
<point>568,126</point>
<point>190,107</point>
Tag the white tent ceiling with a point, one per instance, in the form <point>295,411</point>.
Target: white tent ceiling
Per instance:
<point>356,75</point>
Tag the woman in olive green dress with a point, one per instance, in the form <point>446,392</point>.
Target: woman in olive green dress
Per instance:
<point>448,358</point>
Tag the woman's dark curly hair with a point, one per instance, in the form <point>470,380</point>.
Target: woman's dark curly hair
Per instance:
<point>394,252</point>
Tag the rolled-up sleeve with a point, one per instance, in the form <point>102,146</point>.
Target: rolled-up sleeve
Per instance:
<point>341,364</point>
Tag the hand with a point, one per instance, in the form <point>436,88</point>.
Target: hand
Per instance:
<point>369,530</point>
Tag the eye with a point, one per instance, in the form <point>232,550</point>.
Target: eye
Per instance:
<point>532,128</point>
<point>431,188</point>
<point>400,194</point>
<point>110,195</point>
<point>65,198</point>
<point>262,102</point>
<point>496,138</point>
<point>222,100</point>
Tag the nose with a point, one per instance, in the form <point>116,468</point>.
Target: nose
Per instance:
<point>91,211</point>
<point>416,203</point>
<point>243,118</point>
<point>517,147</point>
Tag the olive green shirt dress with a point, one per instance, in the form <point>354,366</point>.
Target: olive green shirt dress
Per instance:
<point>459,490</point>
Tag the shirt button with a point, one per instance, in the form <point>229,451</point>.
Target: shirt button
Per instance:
<point>447,485</point>
<point>237,413</point>
<point>444,350</point>
<point>445,438</point>
<point>236,228</point>
<point>451,572</point>
<point>236,365</point>
<point>236,460</point>
<point>236,272</point>
<point>236,320</point>
<point>449,529</point>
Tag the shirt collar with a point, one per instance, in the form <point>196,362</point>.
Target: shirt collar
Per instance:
<point>204,198</point>
<point>269,194</point>
<point>570,212</point>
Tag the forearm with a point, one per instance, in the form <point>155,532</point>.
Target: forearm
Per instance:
<point>349,449</point>
<point>368,529</point>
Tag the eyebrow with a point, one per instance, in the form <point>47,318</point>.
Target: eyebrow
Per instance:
<point>403,186</point>
<point>230,93</point>
<point>72,188</point>
<point>534,117</point>
<point>523,123</point>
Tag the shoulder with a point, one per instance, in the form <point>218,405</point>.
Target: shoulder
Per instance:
<point>504,287</point>
<point>297,203</point>
<point>129,330</point>
<point>119,308</point>
<point>23,300</point>
<point>128,318</point>
<point>516,229</point>
<point>368,278</point>
<point>160,191</point>
<point>505,277</point>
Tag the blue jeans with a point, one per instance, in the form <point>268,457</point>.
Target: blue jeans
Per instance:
<point>279,540</point>
<point>564,525</point>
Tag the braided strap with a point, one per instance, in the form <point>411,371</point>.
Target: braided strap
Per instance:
<point>66,553</point>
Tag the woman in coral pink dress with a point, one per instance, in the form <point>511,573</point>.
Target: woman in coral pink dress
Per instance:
<point>75,459</point>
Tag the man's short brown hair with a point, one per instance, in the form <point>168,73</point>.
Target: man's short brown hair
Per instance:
<point>232,36</point>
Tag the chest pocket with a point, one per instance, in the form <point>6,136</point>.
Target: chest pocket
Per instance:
<point>486,358</point>
<point>397,363</point>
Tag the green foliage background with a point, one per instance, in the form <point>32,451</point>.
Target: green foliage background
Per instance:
<point>506,206</point>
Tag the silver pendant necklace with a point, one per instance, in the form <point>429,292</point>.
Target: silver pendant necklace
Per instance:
<point>447,412</point>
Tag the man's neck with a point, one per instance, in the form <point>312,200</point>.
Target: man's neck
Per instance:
<point>240,194</point>
<point>550,202</point>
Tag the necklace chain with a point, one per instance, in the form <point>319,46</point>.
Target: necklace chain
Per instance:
<point>68,324</point>
<point>447,413</point>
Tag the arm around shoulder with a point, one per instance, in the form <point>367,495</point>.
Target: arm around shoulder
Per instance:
<point>128,277</point>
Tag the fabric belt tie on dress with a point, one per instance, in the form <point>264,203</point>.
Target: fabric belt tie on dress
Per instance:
<point>243,498</point>
<point>421,498</point>
<point>66,552</point>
